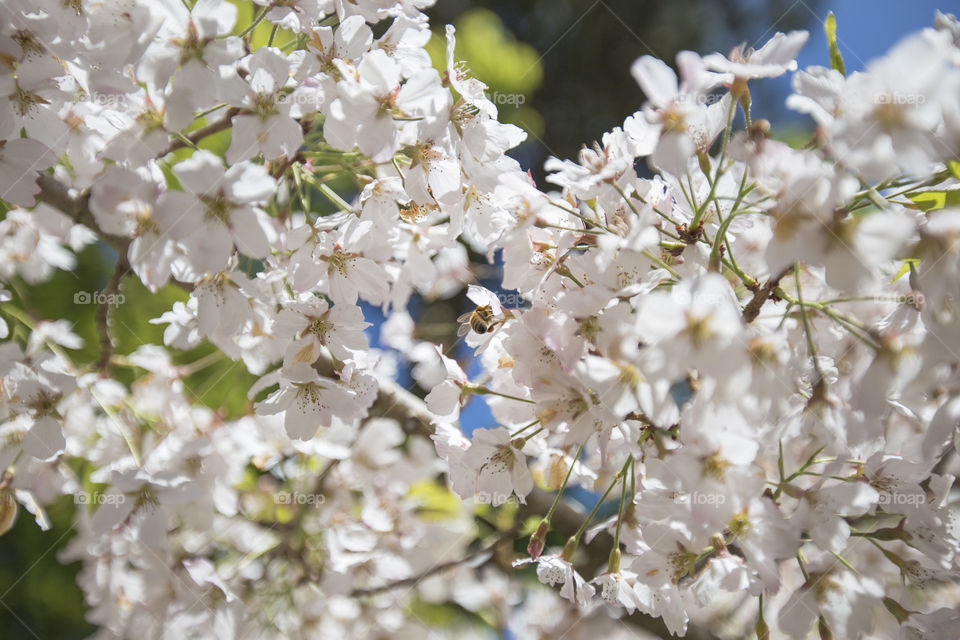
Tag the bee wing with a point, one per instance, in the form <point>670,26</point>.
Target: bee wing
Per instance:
<point>463,330</point>
<point>465,317</point>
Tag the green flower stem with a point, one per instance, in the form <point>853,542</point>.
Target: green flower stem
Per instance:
<point>623,497</point>
<point>575,540</point>
<point>806,327</point>
<point>721,236</point>
<point>577,214</point>
<point>563,486</point>
<point>660,263</point>
<point>855,327</point>
<point>253,25</point>
<point>334,197</point>
<point>522,429</point>
<point>484,391</point>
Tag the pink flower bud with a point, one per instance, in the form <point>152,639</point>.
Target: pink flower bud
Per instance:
<point>538,540</point>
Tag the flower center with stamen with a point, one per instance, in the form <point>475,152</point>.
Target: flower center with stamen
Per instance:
<point>338,262</point>
<point>218,207</point>
<point>672,120</point>
<point>822,584</point>
<point>415,212</point>
<point>44,403</point>
<point>500,460</point>
<point>698,327</point>
<point>740,524</point>
<point>146,496</point>
<point>320,327</point>
<point>630,376</point>
<point>576,405</point>
<point>27,41</point>
<point>145,223</point>
<point>191,47</point>
<point>14,438</point>
<point>308,396</point>
<point>681,564</point>
<point>889,115</point>
<point>25,101</point>
<point>761,350</point>
<point>150,118</point>
<point>715,466</point>
<point>265,104</point>
<point>388,104</point>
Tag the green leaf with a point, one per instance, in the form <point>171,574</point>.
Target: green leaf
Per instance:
<point>836,60</point>
<point>221,386</point>
<point>933,200</point>
<point>436,502</point>
<point>511,69</point>
<point>905,269</point>
<point>954,167</point>
<point>930,200</point>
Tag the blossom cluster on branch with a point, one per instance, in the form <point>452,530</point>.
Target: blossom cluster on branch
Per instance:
<point>750,359</point>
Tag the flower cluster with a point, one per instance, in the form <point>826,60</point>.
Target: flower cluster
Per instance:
<point>744,350</point>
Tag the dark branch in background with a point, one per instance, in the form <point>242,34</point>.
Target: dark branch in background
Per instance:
<point>192,138</point>
<point>393,401</point>
<point>77,207</point>
<point>504,538</point>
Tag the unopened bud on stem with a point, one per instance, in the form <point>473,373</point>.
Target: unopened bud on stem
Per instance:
<point>8,510</point>
<point>613,564</point>
<point>538,540</point>
<point>763,630</point>
<point>896,609</point>
<point>704,161</point>
<point>825,632</point>
<point>745,98</point>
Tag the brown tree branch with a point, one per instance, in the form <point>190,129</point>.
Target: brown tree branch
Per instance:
<point>761,295</point>
<point>192,138</point>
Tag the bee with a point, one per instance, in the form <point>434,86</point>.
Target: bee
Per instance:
<point>480,320</point>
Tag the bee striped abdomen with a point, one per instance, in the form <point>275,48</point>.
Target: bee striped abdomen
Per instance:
<point>479,320</point>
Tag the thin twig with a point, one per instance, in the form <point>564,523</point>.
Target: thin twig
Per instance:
<point>194,137</point>
<point>439,568</point>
